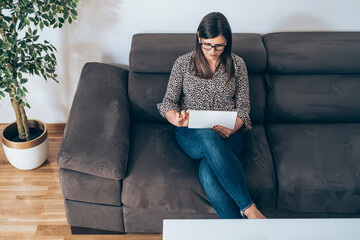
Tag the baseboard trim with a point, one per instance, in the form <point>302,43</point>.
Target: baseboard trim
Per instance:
<point>82,230</point>
<point>55,126</point>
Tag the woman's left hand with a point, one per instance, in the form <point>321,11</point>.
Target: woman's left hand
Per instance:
<point>223,131</point>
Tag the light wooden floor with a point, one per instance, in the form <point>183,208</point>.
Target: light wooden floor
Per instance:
<point>31,203</point>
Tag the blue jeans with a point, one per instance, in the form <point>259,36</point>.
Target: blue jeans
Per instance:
<point>220,172</point>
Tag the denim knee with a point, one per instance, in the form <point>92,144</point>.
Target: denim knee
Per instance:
<point>209,137</point>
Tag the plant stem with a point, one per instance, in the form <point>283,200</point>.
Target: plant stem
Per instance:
<point>21,120</point>
<point>24,122</point>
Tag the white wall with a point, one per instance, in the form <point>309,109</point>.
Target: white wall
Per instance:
<point>105,28</point>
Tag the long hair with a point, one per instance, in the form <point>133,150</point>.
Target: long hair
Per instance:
<point>211,26</point>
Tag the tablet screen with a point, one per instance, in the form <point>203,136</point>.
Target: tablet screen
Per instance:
<point>208,119</point>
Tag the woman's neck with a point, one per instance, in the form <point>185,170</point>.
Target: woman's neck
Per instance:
<point>214,65</point>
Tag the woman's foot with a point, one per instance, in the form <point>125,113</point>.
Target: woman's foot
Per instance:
<point>253,213</point>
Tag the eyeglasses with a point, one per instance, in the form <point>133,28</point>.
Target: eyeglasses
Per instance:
<point>208,46</point>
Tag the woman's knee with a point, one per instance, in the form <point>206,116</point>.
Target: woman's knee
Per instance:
<point>209,137</point>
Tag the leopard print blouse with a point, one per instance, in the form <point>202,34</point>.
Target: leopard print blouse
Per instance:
<point>187,91</point>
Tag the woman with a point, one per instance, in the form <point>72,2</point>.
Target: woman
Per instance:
<point>213,78</point>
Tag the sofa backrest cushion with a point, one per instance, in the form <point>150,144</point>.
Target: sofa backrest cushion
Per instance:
<point>313,77</point>
<point>313,52</point>
<point>152,57</point>
<point>156,53</point>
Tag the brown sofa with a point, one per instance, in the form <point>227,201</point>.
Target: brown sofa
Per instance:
<point>122,170</point>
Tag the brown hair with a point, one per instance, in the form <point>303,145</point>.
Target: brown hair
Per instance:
<point>212,25</point>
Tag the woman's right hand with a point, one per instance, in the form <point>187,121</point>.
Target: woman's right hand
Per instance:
<point>178,119</point>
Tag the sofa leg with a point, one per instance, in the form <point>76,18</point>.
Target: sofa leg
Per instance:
<point>82,230</point>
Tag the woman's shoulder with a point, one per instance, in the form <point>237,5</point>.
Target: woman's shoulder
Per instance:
<point>239,63</point>
<point>237,59</point>
<point>184,62</point>
<point>186,58</point>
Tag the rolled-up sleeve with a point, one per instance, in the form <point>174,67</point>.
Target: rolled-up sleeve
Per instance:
<point>173,91</point>
<point>242,93</point>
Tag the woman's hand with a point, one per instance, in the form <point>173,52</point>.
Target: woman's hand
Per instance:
<point>223,131</point>
<point>178,119</point>
<point>226,132</point>
<point>182,118</point>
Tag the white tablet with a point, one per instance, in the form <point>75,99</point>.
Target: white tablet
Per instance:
<point>208,119</point>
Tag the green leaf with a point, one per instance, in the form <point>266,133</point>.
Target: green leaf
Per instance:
<point>2,94</point>
<point>45,16</point>
<point>41,25</point>
<point>24,69</point>
<point>27,21</point>
<point>19,92</point>
<point>8,19</point>
<point>50,70</point>
<point>8,90</point>
<point>7,72</point>
<point>33,20</point>
<point>73,12</point>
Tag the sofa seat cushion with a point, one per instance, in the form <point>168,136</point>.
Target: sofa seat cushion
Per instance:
<point>318,166</point>
<point>161,177</point>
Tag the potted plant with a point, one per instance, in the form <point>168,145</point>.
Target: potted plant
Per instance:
<point>21,55</point>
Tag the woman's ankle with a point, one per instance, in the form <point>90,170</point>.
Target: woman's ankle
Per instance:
<point>253,213</point>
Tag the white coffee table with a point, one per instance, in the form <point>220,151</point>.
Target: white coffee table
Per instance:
<point>269,229</point>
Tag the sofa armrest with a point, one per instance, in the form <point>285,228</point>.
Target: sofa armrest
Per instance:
<point>96,137</point>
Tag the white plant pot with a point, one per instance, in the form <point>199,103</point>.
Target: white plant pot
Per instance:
<point>26,155</point>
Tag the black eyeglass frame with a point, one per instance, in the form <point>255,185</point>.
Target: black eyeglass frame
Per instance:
<point>212,46</point>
